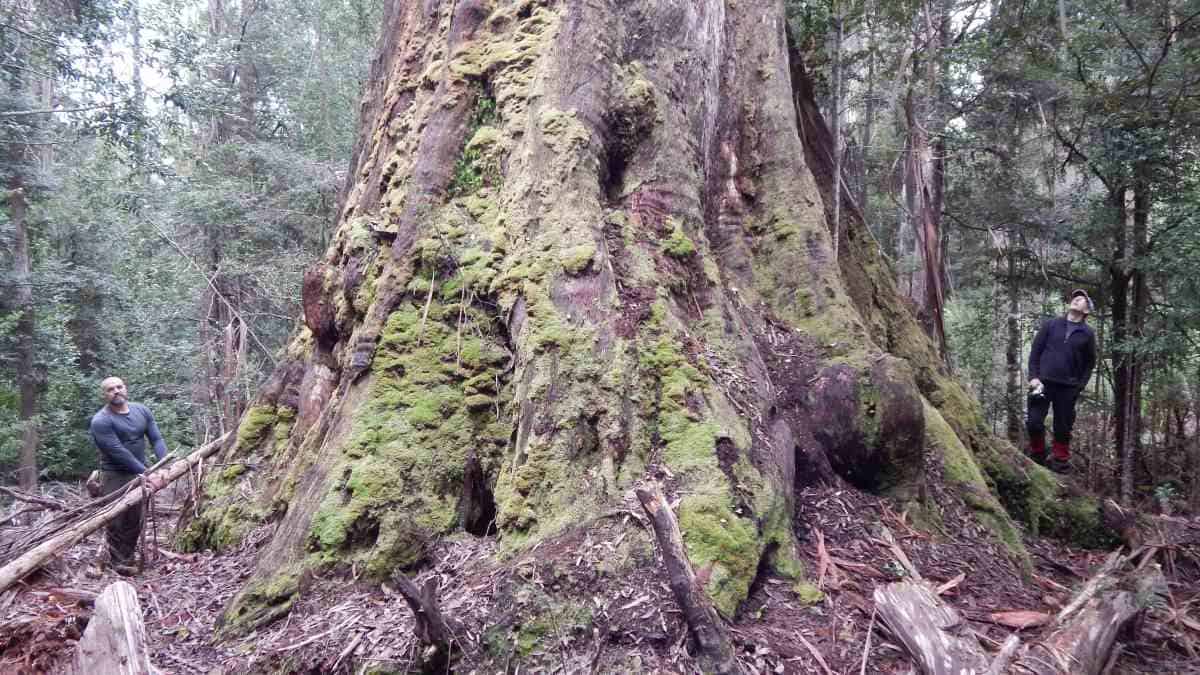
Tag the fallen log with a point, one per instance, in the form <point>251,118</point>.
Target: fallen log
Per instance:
<point>1082,635</point>
<point>715,650</point>
<point>1079,640</point>
<point>36,556</point>
<point>114,641</point>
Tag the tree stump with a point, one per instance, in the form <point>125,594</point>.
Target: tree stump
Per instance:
<point>114,642</point>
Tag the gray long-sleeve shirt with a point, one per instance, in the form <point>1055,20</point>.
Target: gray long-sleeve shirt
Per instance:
<point>121,439</point>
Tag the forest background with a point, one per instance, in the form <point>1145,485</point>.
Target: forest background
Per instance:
<point>171,167</point>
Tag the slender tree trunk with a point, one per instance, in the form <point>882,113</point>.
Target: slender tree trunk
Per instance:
<point>1122,371</point>
<point>836,114</point>
<point>925,173</point>
<point>27,376</point>
<point>1014,383</point>
<point>1137,319</point>
<point>868,128</point>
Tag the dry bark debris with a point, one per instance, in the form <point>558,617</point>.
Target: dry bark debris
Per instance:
<point>342,625</point>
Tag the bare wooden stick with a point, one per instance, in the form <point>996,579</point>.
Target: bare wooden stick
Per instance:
<point>1005,656</point>
<point>1079,640</point>
<point>35,557</point>
<point>1084,633</point>
<point>711,639</point>
<point>33,499</point>
<point>816,653</point>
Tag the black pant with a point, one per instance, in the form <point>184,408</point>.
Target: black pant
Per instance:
<point>1062,398</point>
<point>124,530</point>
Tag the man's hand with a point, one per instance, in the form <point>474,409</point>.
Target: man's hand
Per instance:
<point>155,481</point>
<point>1035,386</point>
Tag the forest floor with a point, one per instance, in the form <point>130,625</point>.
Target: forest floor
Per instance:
<point>562,608</point>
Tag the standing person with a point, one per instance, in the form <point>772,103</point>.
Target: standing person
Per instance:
<point>119,431</point>
<point>1060,364</point>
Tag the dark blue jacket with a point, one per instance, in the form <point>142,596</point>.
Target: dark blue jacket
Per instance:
<point>1063,352</point>
<point>121,439</point>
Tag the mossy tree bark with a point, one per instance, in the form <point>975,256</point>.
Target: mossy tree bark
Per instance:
<point>582,245</point>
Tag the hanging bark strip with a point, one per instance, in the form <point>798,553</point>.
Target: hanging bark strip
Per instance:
<point>711,639</point>
<point>34,558</point>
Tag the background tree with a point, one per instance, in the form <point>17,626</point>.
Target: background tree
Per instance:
<point>137,169</point>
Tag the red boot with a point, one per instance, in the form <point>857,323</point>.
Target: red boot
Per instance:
<point>1037,448</point>
<point>1060,459</point>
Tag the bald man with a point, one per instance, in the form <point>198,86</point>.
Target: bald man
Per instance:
<point>120,430</point>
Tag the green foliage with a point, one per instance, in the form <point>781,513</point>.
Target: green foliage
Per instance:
<point>174,179</point>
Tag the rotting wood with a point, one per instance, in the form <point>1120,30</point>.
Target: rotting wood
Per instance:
<point>114,642</point>
<point>35,557</point>
<point>932,632</point>
<point>1139,529</point>
<point>52,504</point>
<point>713,646</point>
<point>1079,639</point>
<point>1005,656</point>
<point>1083,634</point>
<point>432,628</point>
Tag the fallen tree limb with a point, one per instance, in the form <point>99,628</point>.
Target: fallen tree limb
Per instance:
<point>1079,640</point>
<point>35,557</point>
<point>431,627</point>
<point>1083,634</point>
<point>715,650</point>
<point>16,540</point>
<point>52,504</point>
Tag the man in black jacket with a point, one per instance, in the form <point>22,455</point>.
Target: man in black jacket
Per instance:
<point>120,430</point>
<point>1060,364</point>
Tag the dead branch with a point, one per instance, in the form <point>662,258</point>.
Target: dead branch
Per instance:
<point>1079,640</point>
<point>35,557</point>
<point>1084,633</point>
<point>432,628</point>
<point>709,634</point>
<point>53,504</point>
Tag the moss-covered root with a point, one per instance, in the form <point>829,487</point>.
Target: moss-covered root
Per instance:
<point>259,603</point>
<point>960,471</point>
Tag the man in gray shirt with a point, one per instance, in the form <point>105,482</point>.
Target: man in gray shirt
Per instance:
<point>120,430</point>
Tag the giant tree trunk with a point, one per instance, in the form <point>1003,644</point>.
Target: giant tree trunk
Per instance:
<point>582,246</point>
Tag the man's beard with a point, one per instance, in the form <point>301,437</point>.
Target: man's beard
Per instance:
<point>117,400</point>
